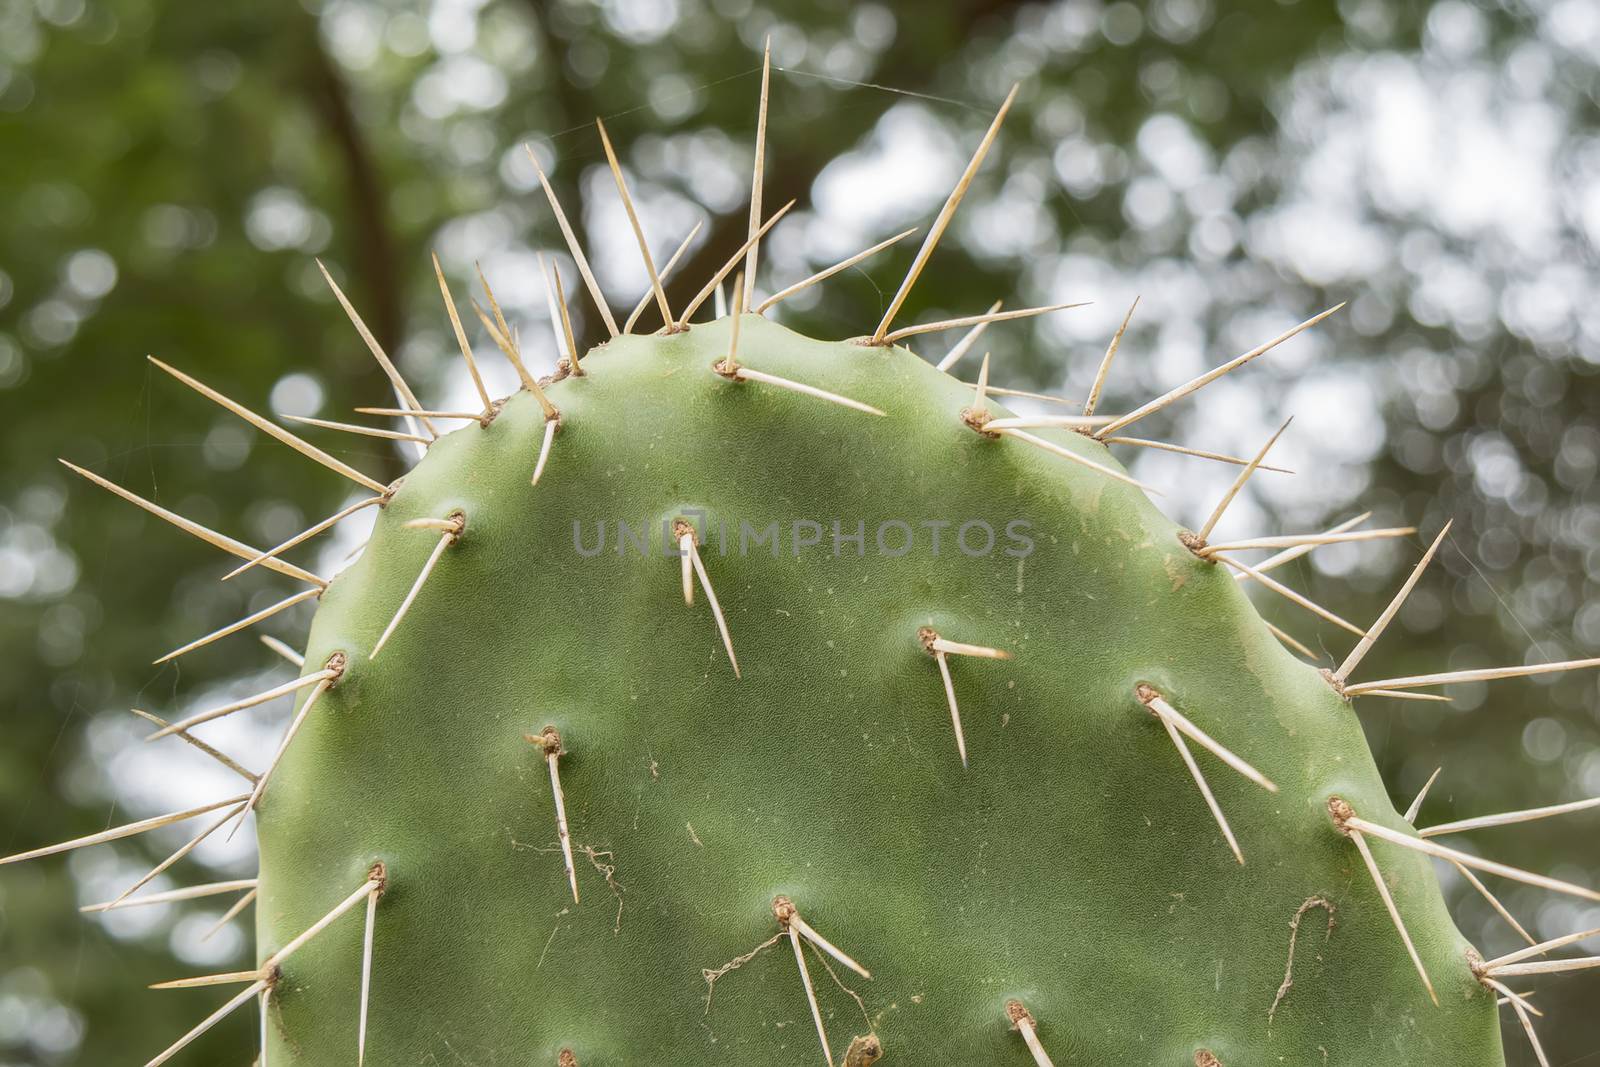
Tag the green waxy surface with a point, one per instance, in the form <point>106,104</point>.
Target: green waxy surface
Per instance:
<point>1074,865</point>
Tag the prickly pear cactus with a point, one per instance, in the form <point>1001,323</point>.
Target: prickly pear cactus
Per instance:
<point>1073,866</point>
<point>734,696</point>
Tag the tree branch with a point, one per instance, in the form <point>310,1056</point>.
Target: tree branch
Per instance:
<point>374,268</point>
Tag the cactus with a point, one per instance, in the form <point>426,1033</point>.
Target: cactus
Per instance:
<point>734,695</point>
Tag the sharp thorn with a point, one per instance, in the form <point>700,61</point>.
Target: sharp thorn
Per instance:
<point>1205,790</point>
<point>1394,912</point>
<point>127,830</point>
<point>248,620</point>
<point>633,221</point>
<point>211,537</point>
<point>242,703</point>
<point>283,747</point>
<point>955,710</point>
<point>548,741</point>
<point>374,884</point>
<point>1288,555</point>
<point>283,649</point>
<point>811,993</point>
<point>1289,594</point>
<point>1540,949</point>
<point>361,431</point>
<point>1509,818</point>
<point>958,648</point>
<point>968,339</point>
<point>573,246</point>
<point>1422,795</point>
<point>746,374</point>
<point>1508,996</point>
<point>1022,1021</point>
<point>368,930</point>
<point>666,272</point>
<point>1044,398</point>
<point>215,754</point>
<point>173,896</point>
<point>1289,640</point>
<point>1580,963</point>
<point>728,366</point>
<point>211,1020</point>
<point>560,319</point>
<point>551,425</point>
<point>1238,484</point>
<point>1212,375</point>
<point>687,543</point>
<point>309,532</point>
<point>901,334</point>
<point>1494,902</point>
<point>506,339</point>
<point>1487,674</point>
<point>1037,422</point>
<point>980,388</point>
<point>1527,1028</point>
<point>188,847</point>
<point>461,336</point>
<point>946,213</point>
<point>1100,375</point>
<point>687,567</point>
<point>1164,710</point>
<point>446,539</point>
<point>1067,454</point>
<point>1371,636</point>
<point>827,946</point>
<point>1295,540</point>
<point>722,272</point>
<point>1167,446</point>
<point>389,369</point>
<point>845,264</point>
<point>1431,848</point>
<point>406,413</point>
<point>1405,694</point>
<point>509,348</point>
<point>229,915</point>
<point>230,978</point>
<point>757,177</point>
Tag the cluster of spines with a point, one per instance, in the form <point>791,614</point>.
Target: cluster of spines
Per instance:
<point>260,982</point>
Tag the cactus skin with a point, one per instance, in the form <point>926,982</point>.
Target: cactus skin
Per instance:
<point>1074,867</point>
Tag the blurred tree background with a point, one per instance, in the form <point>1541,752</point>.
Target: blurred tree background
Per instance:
<point>169,171</point>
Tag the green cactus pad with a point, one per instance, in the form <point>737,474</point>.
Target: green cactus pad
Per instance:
<point>1073,867</point>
